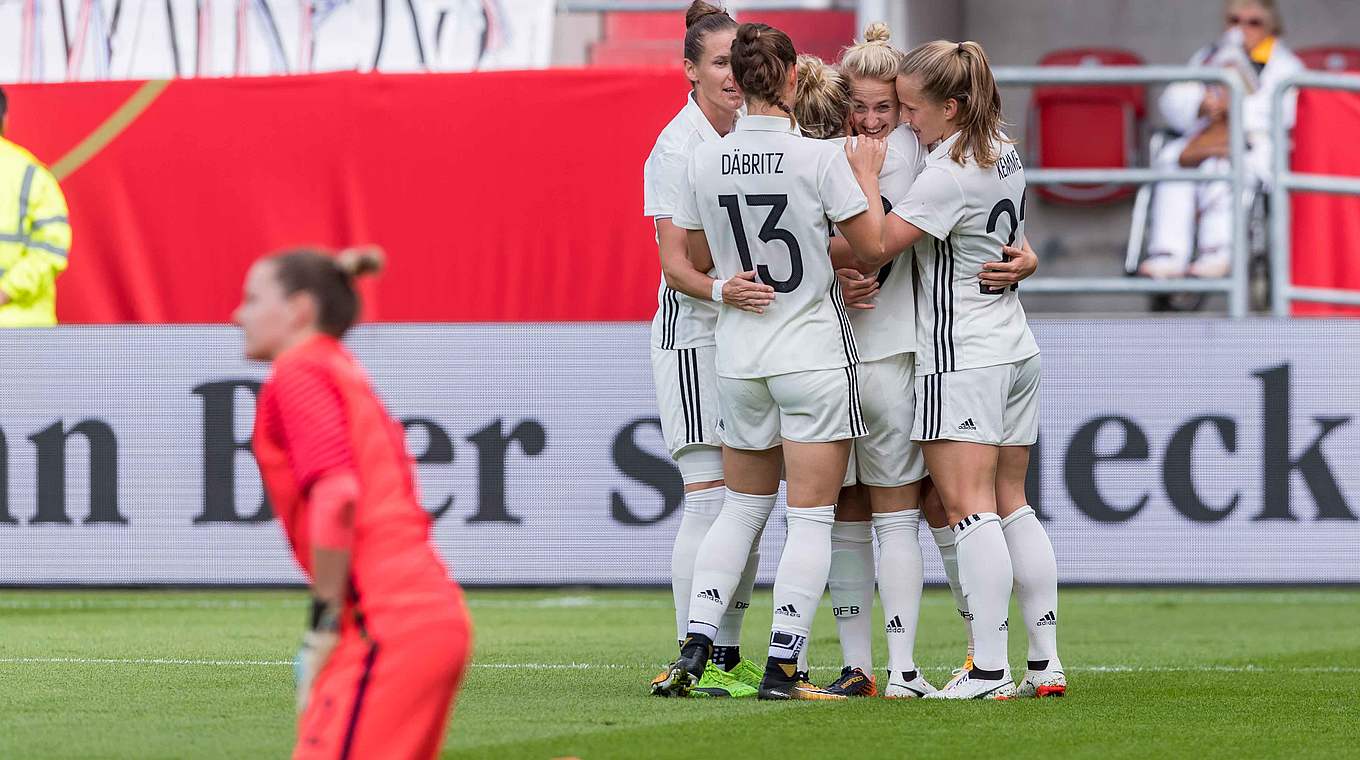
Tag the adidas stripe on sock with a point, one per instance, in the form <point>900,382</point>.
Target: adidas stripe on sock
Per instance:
<point>1036,580</point>
<point>701,509</point>
<point>803,569</point>
<point>723,556</point>
<point>899,586</point>
<point>985,578</point>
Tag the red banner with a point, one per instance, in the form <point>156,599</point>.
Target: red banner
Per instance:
<point>498,196</point>
<point>1325,236</point>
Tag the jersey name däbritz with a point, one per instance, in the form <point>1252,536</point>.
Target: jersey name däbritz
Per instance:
<point>738,162</point>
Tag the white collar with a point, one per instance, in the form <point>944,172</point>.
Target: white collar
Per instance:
<point>696,117</point>
<point>764,123</point>
<point>942,148</point>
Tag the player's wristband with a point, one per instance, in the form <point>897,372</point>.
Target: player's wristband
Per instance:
<point>325,616</point>
<point>717,290</point>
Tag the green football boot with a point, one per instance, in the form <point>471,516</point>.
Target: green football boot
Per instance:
<point>748,673</point>
<point>717,682</point>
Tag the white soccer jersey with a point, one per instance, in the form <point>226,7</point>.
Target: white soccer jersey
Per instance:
<point>968,213</point>
<point>763,197</point>
<point>680,322</point>
<point>889,328</point>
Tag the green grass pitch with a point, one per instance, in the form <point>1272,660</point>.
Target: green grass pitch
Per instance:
<point>563,673</point>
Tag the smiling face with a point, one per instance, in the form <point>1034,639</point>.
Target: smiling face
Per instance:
<point>874,109</point>
<point>930,120</point>
<point>711,75</point>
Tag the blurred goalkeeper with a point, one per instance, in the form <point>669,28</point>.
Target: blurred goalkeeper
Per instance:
<point>389,637</point>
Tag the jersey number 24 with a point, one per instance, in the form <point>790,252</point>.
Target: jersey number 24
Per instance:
<point>769,232</point>
<point>1004,206</point>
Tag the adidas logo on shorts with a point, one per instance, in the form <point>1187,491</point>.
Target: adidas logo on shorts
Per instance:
<point>968,424</point>
<point>895,625</point>
<point>1049,619</point>
<point>788,610</point>
<point>711,595</point>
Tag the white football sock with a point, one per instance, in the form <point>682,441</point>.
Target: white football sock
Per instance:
<point>899,584</point>
<point>851,581</point>
<point>801,579</point>
<point>729,629</point>
<point>1036,581</point>
<point>723,556</point>
<point>701,509</point>
<point>803,665</point>
<point>944,541</point>
<point>985,577</point>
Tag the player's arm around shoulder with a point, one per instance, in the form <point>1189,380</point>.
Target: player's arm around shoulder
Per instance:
<point>846,202</point>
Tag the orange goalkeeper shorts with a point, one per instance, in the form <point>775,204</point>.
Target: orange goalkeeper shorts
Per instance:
<point>386,698</point>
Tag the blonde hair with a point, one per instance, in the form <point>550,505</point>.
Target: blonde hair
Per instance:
<point>960,70</point>
<point>873,58</point>
<point>822,99</point>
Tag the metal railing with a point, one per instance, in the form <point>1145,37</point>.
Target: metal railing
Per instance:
<point>1282,290</point>
<point>1236,284</point>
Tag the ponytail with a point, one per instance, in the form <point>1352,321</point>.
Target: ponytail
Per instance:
<point>761,58</point>
<point>961,71</point>
<point>329,280</point>
<point>822,102</point>
<point>701,20</point>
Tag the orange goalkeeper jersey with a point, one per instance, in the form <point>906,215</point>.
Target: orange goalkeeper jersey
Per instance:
<point>317,414</point>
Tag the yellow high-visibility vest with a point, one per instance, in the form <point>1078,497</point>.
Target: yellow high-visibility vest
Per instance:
<point>35,238</point>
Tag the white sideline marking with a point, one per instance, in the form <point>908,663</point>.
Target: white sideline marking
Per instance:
<point>617,666</point>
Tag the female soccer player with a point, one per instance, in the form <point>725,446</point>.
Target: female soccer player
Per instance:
<point>888,465</point>
<point>682,337</point>
<point>760,199</point>
<point>389,637</point>
<point>978,387</point>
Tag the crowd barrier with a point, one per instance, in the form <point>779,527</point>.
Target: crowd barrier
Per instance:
<point>1206,451</point>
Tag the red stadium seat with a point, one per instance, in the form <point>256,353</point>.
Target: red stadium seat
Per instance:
<point>1331,58</point>
<point>1086,126</point>
<point>821,33</point>
<point>640,39</point>
<point>651,39</point>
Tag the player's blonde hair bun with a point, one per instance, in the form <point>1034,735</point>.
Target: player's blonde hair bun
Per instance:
<point>361,260</point>
<point>821,100</point>
<point>874,58</point>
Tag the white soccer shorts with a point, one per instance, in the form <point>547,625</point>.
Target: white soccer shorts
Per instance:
<point>886,457</point>
<point>687,399</point>
<point>816,406</point>
<point>996,405</point>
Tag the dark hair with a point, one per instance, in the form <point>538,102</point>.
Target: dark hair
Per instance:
<point>761,58</point>
<point>960,70</point>
<point>329,280</point>
<point>701,20</point>
<point>4,104</point>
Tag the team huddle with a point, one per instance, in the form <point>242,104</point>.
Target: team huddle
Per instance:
<point>840,249</point>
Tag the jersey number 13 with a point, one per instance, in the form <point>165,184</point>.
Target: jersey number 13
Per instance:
<point>769,232</point>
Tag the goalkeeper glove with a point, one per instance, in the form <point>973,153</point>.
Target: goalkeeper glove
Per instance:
<point>317,644</point>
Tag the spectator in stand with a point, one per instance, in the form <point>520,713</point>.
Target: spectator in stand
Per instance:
<point>32,253</point>
<point>1251,46</point>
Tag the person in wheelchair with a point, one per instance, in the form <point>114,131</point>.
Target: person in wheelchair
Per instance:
<point>1191,230</point>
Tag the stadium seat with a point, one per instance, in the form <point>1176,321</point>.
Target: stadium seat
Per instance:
<point>1086,126</point>
<point>640,39</point>
<point>652,39</point>
<point>821,33</point>
<point>1331,58</point>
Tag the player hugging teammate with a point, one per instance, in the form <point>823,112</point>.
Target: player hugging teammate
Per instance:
<point>813,358</point>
